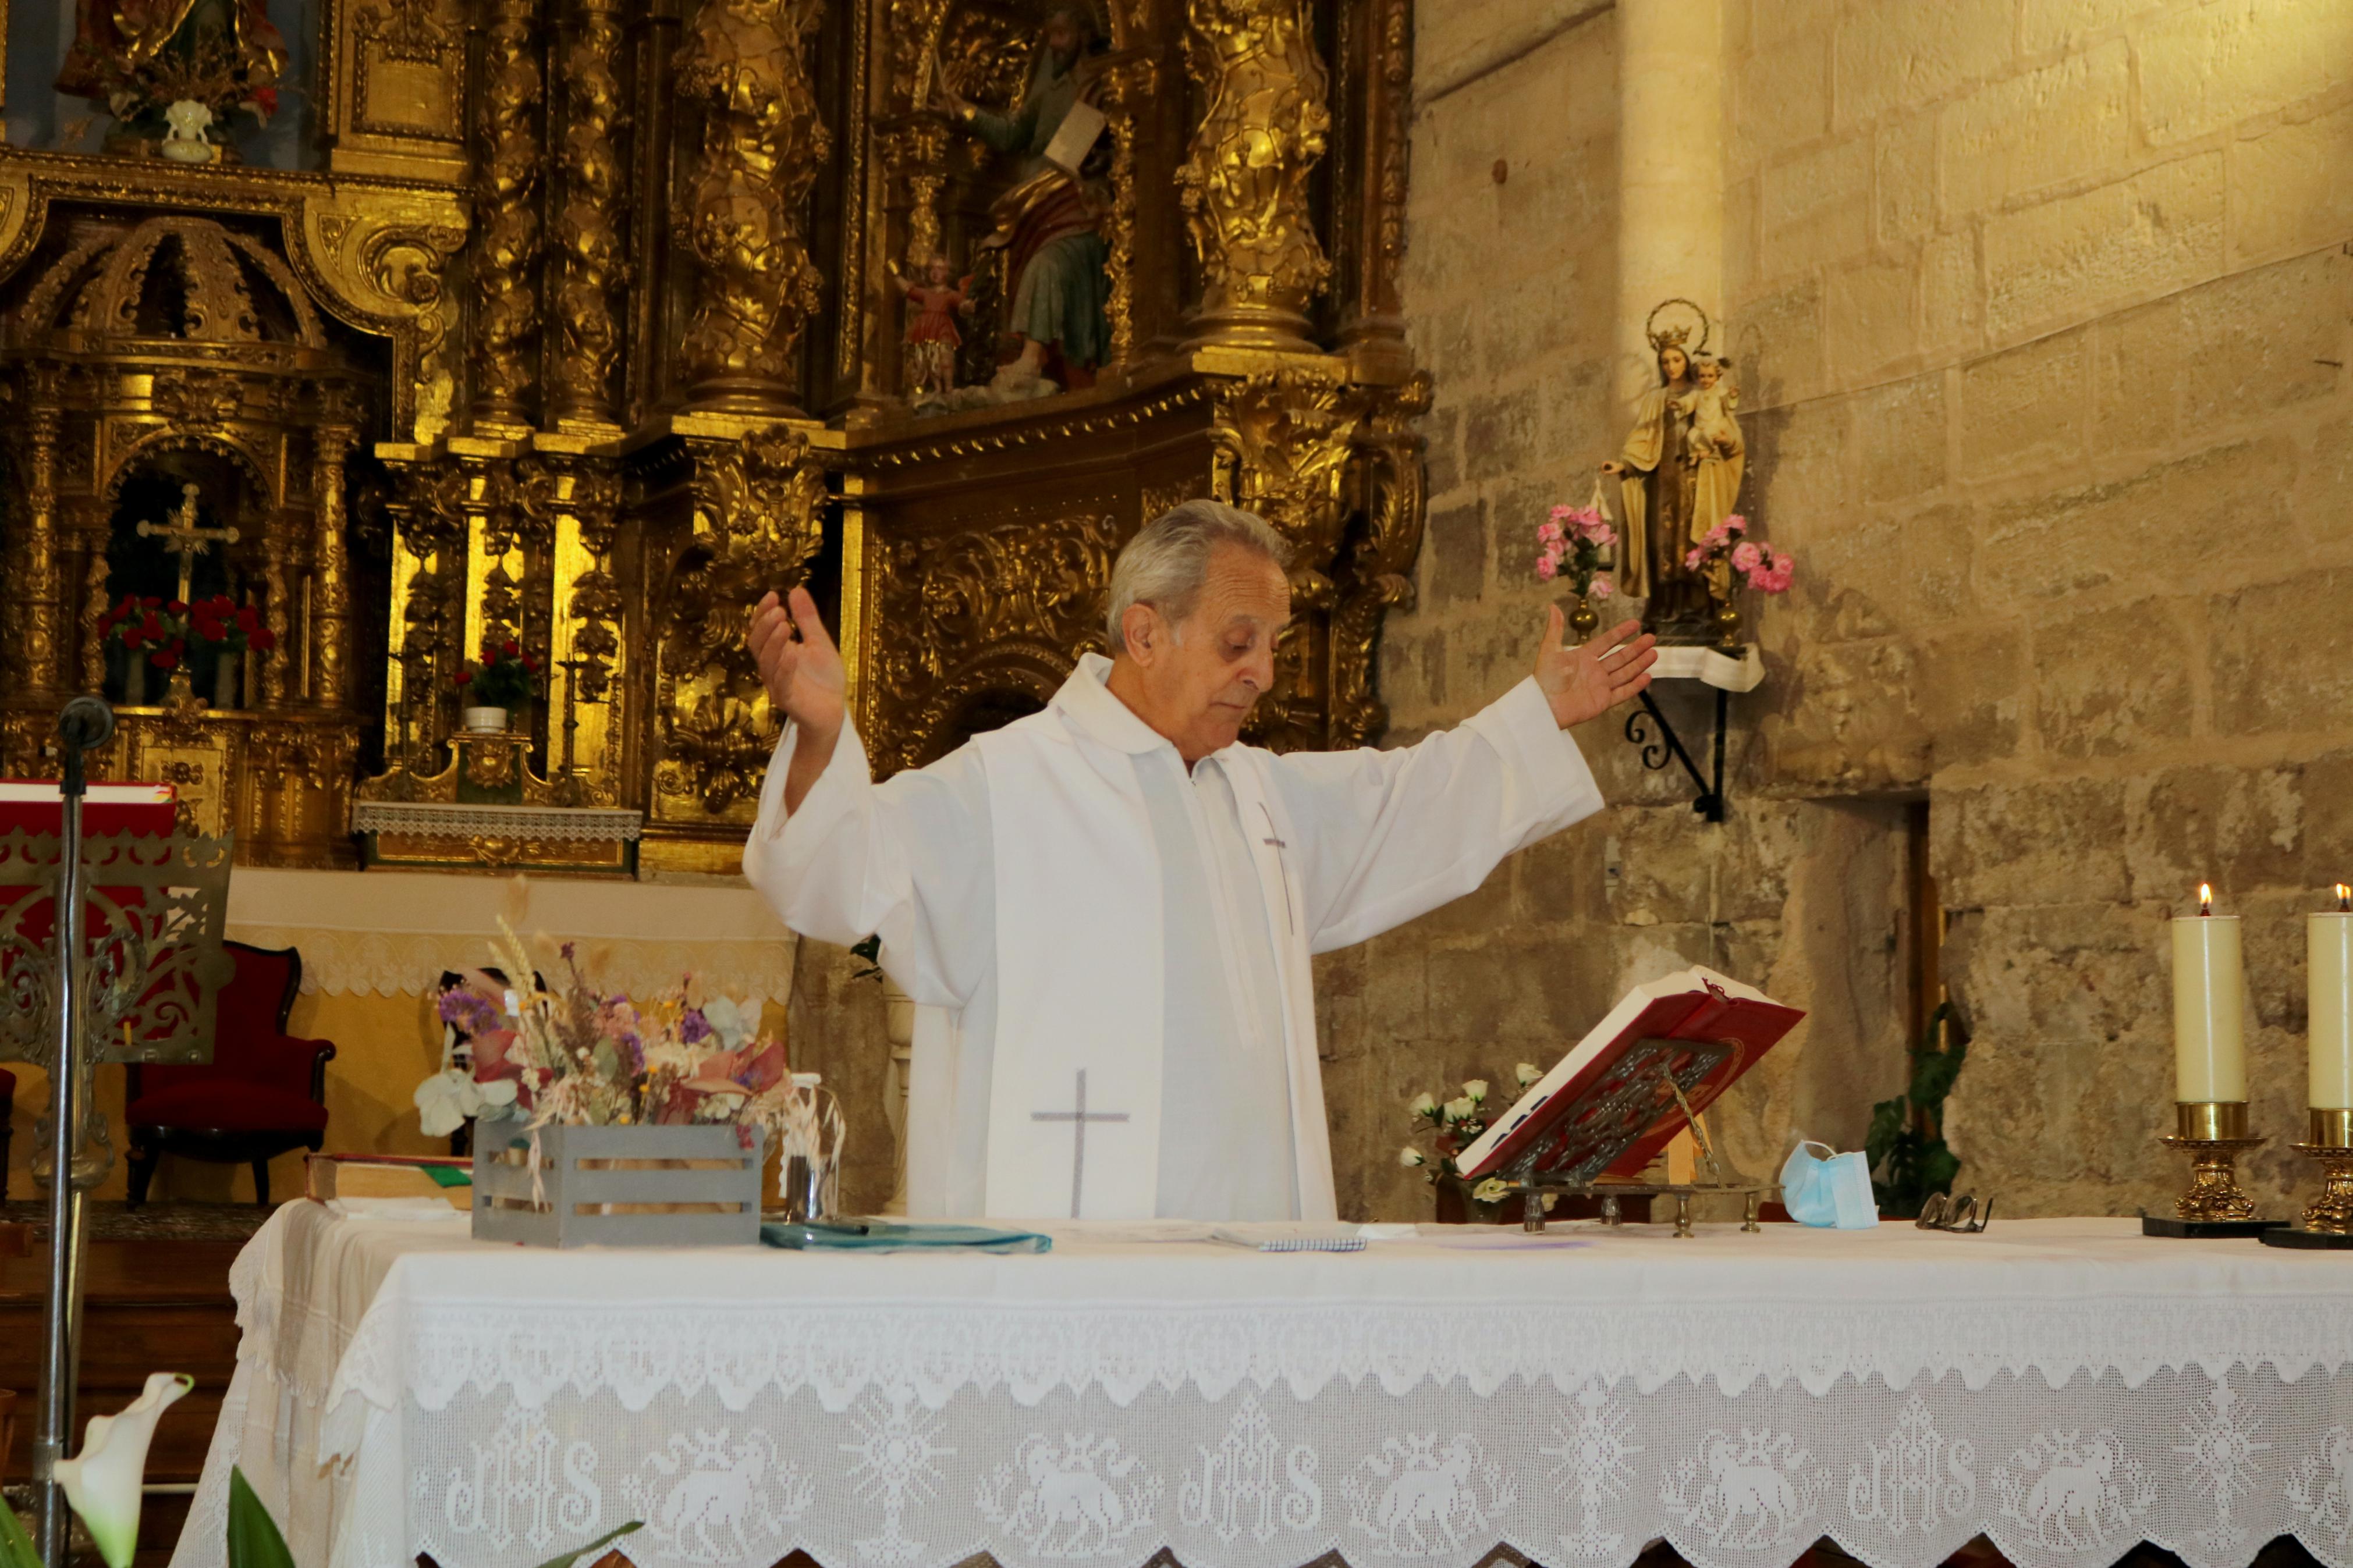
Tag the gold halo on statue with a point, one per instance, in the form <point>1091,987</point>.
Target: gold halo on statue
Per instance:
<point>1676,337</point>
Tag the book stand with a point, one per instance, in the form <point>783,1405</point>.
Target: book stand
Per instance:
<point>109,951</point>
<point>1646,1089</point>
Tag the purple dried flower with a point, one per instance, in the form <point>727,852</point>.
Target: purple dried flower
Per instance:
<point>693,1028</point>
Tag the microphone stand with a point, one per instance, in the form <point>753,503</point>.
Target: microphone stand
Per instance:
<point>86,725</point>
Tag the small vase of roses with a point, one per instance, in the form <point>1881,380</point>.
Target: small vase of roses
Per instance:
<point>494,688</point>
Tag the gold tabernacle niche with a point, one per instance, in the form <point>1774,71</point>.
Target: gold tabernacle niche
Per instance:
<point>407,403</point>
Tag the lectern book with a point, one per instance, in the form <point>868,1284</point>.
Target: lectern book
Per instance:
<point>1695,1004</point>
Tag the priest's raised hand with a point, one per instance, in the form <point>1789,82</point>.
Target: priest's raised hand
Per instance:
<point>801,668</point>
<point>1586,682</point>
<point>1109,910</point>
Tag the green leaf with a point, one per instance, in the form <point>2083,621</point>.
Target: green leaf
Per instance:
<point>1938,1166</point>
<point>253,1538</point>
<point>1887,1122</point>
<point>16,1548</point>
<point>567,1558</point>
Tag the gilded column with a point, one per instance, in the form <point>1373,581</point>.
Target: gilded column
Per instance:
<point>330,583</point>
<point>1377,42</point>
<point>745,66</point>
<point>93,604</point>
<point>507,251</point>
<point>587,232</point>
<point>43,590</point>
<point>1244,185</point>
<point>273,615</point>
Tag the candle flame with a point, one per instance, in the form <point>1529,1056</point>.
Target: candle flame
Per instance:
<point>2205,899</point>
<point>2344,899</point>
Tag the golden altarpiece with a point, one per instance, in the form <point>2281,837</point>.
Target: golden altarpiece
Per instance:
<point>579,324</point>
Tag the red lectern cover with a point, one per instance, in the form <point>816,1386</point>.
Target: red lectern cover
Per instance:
<point>1697,1004</point>
<point>108,810</point>
<point>141,809</point>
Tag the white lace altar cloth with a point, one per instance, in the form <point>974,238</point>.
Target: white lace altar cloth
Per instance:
<point>2064,1386</point>
<point>393,932</point>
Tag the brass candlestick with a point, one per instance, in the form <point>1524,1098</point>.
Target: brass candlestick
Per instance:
<point>2212,1132</point>
<point>2331,1214</point>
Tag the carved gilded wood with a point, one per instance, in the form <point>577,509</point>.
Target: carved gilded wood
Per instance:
<point>607,308</point>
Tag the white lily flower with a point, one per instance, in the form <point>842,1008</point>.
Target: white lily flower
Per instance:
<point>102,1482</point>
<point>1526,1073</point>
<point>1424,1104</point>
<point>445,1100</point>
<point>1461,1110</point>
<point>1411,1157</point>
<point>1476,1090</point>
<point>731,1021</point>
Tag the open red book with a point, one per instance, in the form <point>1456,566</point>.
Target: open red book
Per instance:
<point>1605,1107</point>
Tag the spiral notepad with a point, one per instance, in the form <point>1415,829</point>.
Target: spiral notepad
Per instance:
<point>1326,1241</point>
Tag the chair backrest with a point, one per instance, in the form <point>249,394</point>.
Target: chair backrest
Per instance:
<point>253,1006</point>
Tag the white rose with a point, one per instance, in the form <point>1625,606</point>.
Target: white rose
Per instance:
<point>1477,1090</point>
<point>1461,1110</point>
<point>1526,1073</point>
<point>1423,1105</point>
<point>1411,1157</point>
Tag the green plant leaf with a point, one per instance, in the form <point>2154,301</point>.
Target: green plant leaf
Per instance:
<point>16,1548</point>
<point>567,1558</point>
<point>253,1538</point>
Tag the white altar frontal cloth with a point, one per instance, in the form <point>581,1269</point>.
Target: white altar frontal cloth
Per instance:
<point>2067,1387</point>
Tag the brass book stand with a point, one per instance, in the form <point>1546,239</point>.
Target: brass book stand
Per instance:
<point>1649,1086</point>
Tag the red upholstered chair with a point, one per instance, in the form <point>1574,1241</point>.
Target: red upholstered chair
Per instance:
<point>264,1093</point>
<point>7,1105</point>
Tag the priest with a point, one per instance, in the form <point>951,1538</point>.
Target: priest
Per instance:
<point>1111,904</point>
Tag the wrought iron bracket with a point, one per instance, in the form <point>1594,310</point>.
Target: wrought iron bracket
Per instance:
<point>1666,745</point>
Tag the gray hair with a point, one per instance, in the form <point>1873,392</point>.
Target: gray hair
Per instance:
<point>1168,559</point>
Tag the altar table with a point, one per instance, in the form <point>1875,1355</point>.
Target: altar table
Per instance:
<point>2064,1386</point>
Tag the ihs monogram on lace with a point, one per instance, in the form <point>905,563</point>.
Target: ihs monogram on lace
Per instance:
<point>513,1494</point>
<point>1748,1492</point>
<point>1917,1480</point>
<point>2074,1493</point>
<point>896,1462</point>
<point>1239,1487</point>
<point>2220,1455</point>
<point>2322,1487</point>
<point>1591,1461</point>
<point>1415,1498</point>
<point>708,1499</point>
<point>1078,1497</point>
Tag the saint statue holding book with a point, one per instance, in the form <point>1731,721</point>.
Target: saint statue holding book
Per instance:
<point>1109,909</point>
<point>1049,224</point>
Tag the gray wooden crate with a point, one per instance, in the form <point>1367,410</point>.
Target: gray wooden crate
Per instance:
<point>579,1188</point>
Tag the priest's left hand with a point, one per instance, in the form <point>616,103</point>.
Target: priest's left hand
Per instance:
<point>1586,682</point>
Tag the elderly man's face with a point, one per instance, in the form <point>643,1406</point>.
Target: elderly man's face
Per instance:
<point>1199,686</point>
<point>1062,40</point>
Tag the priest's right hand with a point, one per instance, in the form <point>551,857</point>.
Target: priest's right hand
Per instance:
<point>802,671</point>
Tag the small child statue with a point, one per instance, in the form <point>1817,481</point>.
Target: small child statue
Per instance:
<point>932,335</point>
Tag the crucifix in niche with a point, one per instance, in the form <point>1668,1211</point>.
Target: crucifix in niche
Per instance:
<point>1078,1118</point>
<point>184,538</point>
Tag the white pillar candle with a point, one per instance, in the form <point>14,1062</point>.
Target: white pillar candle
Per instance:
<point>2210,1046</point>
<point>2328,989</point>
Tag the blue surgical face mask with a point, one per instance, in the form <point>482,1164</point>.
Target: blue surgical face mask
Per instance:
<point>1828,1192</point>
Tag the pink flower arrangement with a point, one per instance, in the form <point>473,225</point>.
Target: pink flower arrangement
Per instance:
<point>578,1055</point>
<point>1767,570</point>
<point>1572,543</point>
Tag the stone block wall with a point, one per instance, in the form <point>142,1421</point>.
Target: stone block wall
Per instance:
<point>2040,309</point>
